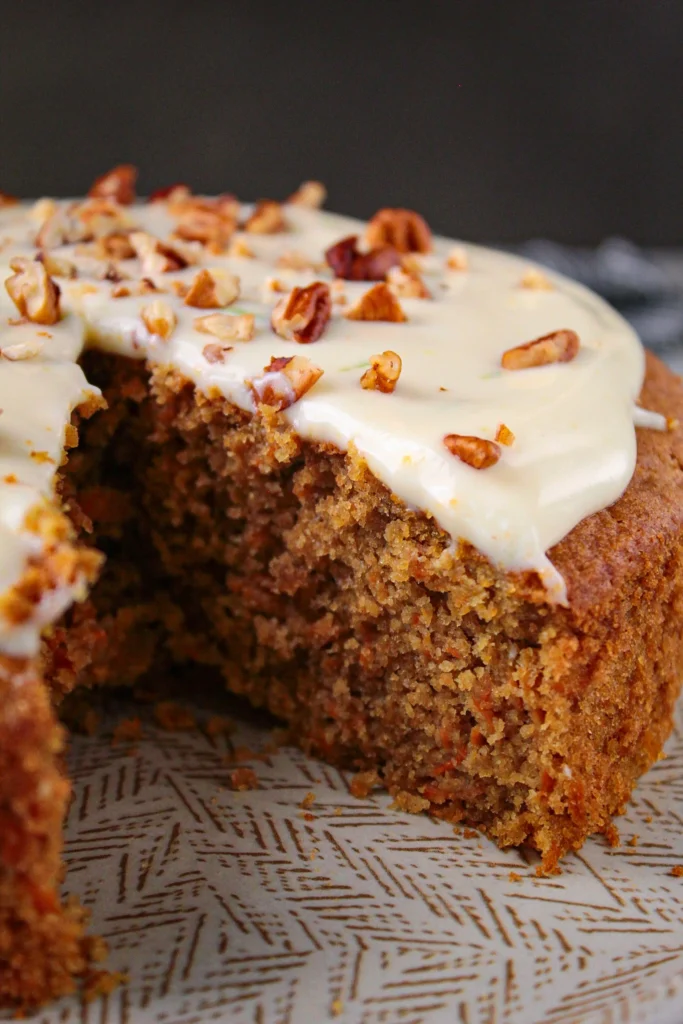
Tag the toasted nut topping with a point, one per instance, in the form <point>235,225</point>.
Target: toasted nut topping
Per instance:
<point>293,260</point>
<point>171,192</point>
<point>266,219</point>
<point>213,289</point>
<point>7,200</point>
<point>117,184</point>
<point>156,257</point>
<point>475,451</point>
<point>22,350</point>
<point>42,209</point>
<point>303,314</point>
<point>285,380</point>
<point>214,352</point>
<point>179,288</point>
<point>239,249</point>
<point>351,265</point>
<point>226,327</point>
<point>209,225</point>
<point>457,258</point>
<point>337,292</point>
<point>504,435</point>
<point>33,292</point>
<point>309,193</point>
<point>379,303</point>
<point>536,279</point>
<point>145,286</point>
<point>116,246</point>
<point>54,230</point>
<point>405,230</point>
<point>407,284</point>
<point>57,266</point>
<point>159,319</point>
<point>384,372</point>
<point>557,347</point>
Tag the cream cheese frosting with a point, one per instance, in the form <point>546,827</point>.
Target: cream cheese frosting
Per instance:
<point>573,423</point>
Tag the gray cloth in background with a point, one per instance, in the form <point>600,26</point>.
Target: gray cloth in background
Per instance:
<point>625,276</point>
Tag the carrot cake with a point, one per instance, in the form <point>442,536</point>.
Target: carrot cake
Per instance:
<point>420,500</point>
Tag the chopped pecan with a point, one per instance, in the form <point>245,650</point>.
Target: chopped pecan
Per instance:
<point>57,266</point>
<point>475,451</point>
<point>405,230</point>
<point>117,184</point>
<point>226,327</point>
<point>338,293</point>
<point>457,258</point>
<point>285,380</point>
<point>407,284</point>
<point>557,347</point>
<point>22,350</point>
<point>145,286</point>
<point>349,263</point>
<point>379,303</point>
<point>173,192</point>
<point>535,279</point>
<point>156,257</point>
<point>209,221</point>
<point>309,193</point>
<point>7,200</point>
<point>33,292</point>
<point>303,314</point>
<point>504,435</point>
<point>159,319</point>
<point>384,372</point>
<point>212,289</point>
<point>238,248</point>
<point>214,352</point>
<point>116,245</point>
<point>292,260</point>
<point>267,218</point>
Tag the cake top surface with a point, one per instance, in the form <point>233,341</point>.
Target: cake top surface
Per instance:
<point>495,397</point>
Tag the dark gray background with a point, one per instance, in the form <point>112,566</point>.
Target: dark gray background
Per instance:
<point>497,119</point>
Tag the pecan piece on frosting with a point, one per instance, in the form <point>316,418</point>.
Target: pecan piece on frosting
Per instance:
<point>170,192</point>
<point>504,435</point>
<point>214,352</point>
<point>404,230</point>
<point>407,284</point>
<point>349,263</point>
<point>115,246</point>
<point>145,286</point>
<point>536,280</point>
<point>212,289</point>
<point>457,258</point>
<point>22,350</point>
<point>557,347</point>
<point>267,218</point>
<point>33,292</point>
<point>303,314</point>
<point>156,257</point>
<point>285,380</point>
<point>309,193</point>
<point>385,369</point>
<point>57,266</point>
<point>159,319</point>
<point>7,200</point>
<point>226,326</point>
<point>475,451</point>
<point>379,303</point>
<point>117,184</point>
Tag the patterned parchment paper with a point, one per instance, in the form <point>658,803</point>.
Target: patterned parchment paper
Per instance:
<point>247,907</point>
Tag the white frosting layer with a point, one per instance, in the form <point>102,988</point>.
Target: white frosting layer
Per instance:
<point>574,450</point>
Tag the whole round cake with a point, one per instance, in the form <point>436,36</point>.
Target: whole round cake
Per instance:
<point>419,499</point>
